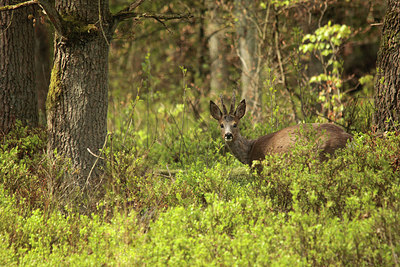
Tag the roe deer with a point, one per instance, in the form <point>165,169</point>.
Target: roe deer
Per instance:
<point>330,136</point>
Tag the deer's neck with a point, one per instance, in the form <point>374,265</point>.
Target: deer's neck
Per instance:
<point>241,148</point>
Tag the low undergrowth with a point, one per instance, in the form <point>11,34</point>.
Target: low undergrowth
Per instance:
<point>204,210</point>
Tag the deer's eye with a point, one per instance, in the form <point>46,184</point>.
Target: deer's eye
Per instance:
<point>234,125</point>
<point>222,126</point>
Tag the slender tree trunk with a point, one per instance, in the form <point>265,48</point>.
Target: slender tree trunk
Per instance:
<point>387,84</point>
<point>217,50</point>
<point>202,47</point>
<point>77,100</point>
<point>43,66</point>
<point>247,51</point>
<point>18,99</point>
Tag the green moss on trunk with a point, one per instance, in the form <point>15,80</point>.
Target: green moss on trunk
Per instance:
<point>77,27</point>
<point>55,88</point>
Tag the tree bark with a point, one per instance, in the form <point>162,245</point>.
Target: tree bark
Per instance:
<point>387,84</point>
<point>217,50</point>
<point>18,99</point>
<point>78,94</point>
<point>247,51</point>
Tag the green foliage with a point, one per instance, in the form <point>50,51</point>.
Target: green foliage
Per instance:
<point>20,153</point>
<point>278,3</point>
<point>173,194</point>
<point>353,183</point>
<point>326,39</point>
<point>214,211</point>
<point>245,232</point>
<point>324,44</point>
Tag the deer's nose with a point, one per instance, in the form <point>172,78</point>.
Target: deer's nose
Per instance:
<point>228,136</point>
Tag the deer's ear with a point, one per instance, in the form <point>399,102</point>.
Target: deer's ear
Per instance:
<point>241,109</point>
<point>215,111</point>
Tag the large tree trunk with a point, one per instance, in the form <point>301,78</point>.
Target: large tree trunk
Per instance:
<point>18,99</point>
<point>77,99</point>
<point>247,51</point>
<point>387,84</point>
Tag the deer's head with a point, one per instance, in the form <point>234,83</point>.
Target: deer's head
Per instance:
<point>229,122</point>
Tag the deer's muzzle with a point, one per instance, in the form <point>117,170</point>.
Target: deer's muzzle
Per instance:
<point>228,137</point>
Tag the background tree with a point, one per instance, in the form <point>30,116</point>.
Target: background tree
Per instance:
<point>43,56</point>
<point>216,30</point>
<point>18,99</point>
<point>247,51</point>
<point>286,93</point>
<point>387,83</point>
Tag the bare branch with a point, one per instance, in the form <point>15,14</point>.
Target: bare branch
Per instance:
<point>53,16</point>
<point>129,9</point>
<point>120,16</point>
<point>47,7</point>
<point>127,13</point>
<point>19,5</point>
<point>134,5</point>
<point>163,16</point>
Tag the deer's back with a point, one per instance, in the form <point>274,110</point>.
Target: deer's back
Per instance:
<point>328,137</point>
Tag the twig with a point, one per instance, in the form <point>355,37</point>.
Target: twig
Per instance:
<point>331,121</point>
<point>322,14</point>
<point>120,16</point>
<point>183,112</point>
<point>53,16</point>
<point>281,67</point>
<point>97,158</point>
<point>131,115</point>
<point>131,7</point>
<point>162,23</point>
<point>170,175</point>
<point>93,154</point>
<point>3,32</point>
<point>177,126</point>
<point>19,5</point>
<point>101,24</point>
<point>215,32</point>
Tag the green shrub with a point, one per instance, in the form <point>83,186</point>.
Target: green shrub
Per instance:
<point>203,207</point>
<point>21,151</point>
<point>360,178</point>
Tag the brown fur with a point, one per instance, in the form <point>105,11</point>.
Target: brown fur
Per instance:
<point>328,137</point>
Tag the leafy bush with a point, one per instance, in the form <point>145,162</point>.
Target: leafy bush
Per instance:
<point>207,208</point>
<point>21,150</point>
<point>361,178</point>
